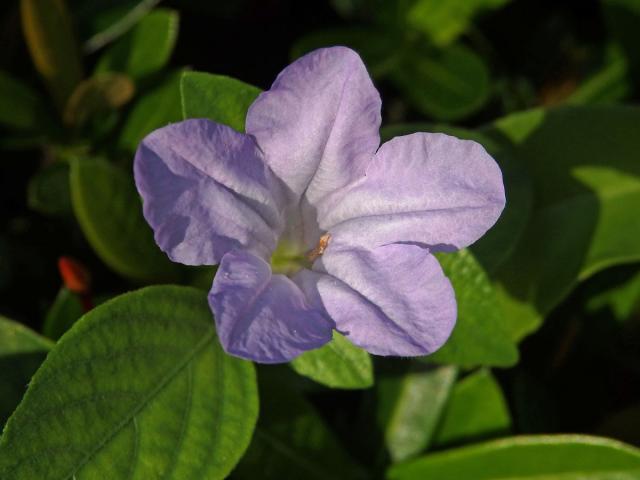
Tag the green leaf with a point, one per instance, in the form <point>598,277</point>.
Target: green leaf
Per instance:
<point>476,409</point>
<point>138,388</point>
<point>109,212</point>
<point>480,336</point>
<point>410,406</point>
<point>445,20</point>
<point>291,440</point>
<point>99,94</point>
<point>48,191</point>
<point>65,311</point>
<point>545,457</point>
<point>47,28</point>
<point>102,21</point>
<point>216,97</point>
<point>338,364</point>
<point>156,108</point>
<point>146,48</point>
<point>20,106</point>
<point>21,353</point>
<point>446,84</point>
<point>586,181</point>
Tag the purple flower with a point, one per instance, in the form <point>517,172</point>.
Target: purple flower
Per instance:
<point>315,226</point>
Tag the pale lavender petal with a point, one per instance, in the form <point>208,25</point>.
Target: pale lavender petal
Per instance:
<point>426,188</point>
<point>263,317</point>
<point>391,300</point>
<point>318,126</point>
<point>206,191</point>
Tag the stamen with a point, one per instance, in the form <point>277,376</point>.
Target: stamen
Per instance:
<point>320,248</point>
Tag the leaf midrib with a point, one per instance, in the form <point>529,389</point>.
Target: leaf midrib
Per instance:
<point>163,382</point>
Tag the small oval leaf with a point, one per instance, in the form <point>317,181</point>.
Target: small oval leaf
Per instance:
<point>216,97</point>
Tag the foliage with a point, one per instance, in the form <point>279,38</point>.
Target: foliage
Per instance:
<point>126,378</point>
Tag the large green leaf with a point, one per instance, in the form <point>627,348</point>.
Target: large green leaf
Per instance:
<point>216,97</point>
<point>156,108</point>
<point>410,405</point>
<point>291,440</point>
<point>446,84</point>
<point>20,106</point>
<point>108,209</point>
<point>586,181</point>
<point>47,28</point>
<point>476,409</point>
<point>146,48</point>
<point>21,353</point>
<point>338,364</point>
<point>444,20</point>
<point>481,336</point>
<point>138,388</point>
<point>557,457</point>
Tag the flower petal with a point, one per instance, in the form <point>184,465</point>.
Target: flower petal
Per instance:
<point>318,126</point>
<point>206,191</point>
<point>425,188</point>
<point>263,317</point>
<point>392,300</point>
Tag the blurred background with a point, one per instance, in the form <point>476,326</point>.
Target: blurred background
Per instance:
<point>90,78</point>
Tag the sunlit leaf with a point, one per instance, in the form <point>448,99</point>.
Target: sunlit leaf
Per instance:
<point>146,48</point>
<point>476,409</point>
<point>338,364</point>
<point>216,97</point>
<point>566,457</point>
<point>481,336</point>
<point>410,406</point>
<point>139,388</point>
<point>157,108</point>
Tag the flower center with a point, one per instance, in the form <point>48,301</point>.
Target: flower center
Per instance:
<point>289,260</point>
